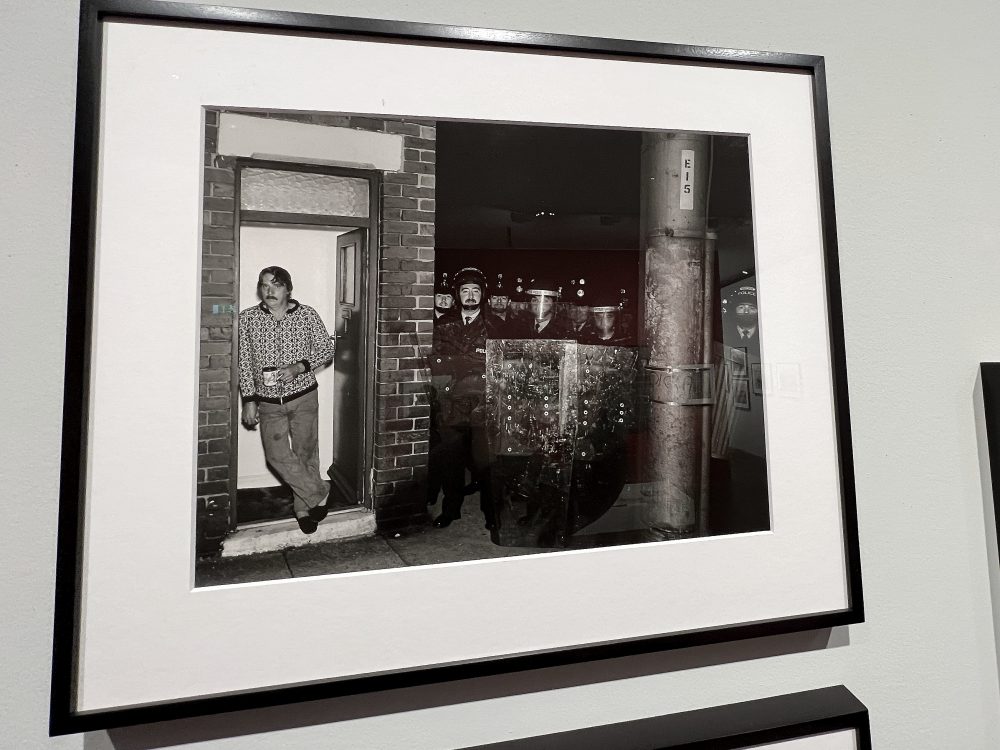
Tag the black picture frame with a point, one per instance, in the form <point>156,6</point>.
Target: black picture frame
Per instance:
<point>64,716</point>
<point>730,727</point>
<point>989,394</point>
<point>986,400</point>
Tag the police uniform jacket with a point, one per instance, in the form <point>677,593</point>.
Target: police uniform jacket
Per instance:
<point>557,328</point>
<point>458,369</point>
<point>502,327</point>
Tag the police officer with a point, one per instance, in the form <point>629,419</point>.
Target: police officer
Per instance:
<point>458,377</point>
<point>518,302</point>
<point>444,300</point>
<point>500,309</point>
<point>444,309</point>
<point>577,310</point>
<point>745,302</point>
<point>542,321</point>
<point>604,325</point>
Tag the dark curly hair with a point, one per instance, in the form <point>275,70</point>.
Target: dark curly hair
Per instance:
<point>280,275</point>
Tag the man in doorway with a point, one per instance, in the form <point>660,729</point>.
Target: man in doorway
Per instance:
<point>458,376</point>
<point>281,345</point>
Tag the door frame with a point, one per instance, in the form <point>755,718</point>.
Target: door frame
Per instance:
<point>369,290</point>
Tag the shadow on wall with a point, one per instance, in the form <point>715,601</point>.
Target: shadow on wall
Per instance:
<point>312,713</point>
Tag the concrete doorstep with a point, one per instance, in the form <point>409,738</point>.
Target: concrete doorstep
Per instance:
<point>274,536</point>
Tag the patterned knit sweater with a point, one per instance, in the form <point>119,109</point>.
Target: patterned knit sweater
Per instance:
<point>265,341</point>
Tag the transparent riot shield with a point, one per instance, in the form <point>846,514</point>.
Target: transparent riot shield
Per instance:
<point>531,422</point>
<point>606,412</point>
<point>557,418</point>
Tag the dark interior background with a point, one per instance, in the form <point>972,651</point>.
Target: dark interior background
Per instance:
<point>524,200</point>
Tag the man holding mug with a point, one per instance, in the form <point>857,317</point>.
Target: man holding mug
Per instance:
<point>281,344</point>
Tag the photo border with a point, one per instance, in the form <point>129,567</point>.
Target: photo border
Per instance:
<point>81,277</point>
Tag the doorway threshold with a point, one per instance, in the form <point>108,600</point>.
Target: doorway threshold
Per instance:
<point>273,536</point>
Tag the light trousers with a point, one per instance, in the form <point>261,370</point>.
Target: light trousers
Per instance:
<point>290,435</point>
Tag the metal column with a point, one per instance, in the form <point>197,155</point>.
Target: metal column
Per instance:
<point>675,171</point>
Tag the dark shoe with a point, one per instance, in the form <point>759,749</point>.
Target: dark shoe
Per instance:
<point>318,513</point>
<point>307,525</point>
<point>443,521</point>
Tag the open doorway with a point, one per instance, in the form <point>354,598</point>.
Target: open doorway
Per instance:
<point>327,258</point>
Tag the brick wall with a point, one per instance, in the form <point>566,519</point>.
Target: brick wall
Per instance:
<point>405,324</point>
<point>404,327</point>
<point>218,308</point>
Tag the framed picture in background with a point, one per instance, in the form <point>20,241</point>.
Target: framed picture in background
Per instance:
<point>829,718</point>
<point>420,344</point>
<point>986,399</point>
<point>757,379</point>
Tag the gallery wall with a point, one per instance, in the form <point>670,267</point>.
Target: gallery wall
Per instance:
<point>915,130</point>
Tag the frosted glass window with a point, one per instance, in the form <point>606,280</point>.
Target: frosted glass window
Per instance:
<point>303,193</point>
<point>348,281</point>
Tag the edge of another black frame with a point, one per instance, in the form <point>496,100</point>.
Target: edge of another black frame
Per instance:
<point>990,376</point>
<point>727,727</point>
<point>63,718</point>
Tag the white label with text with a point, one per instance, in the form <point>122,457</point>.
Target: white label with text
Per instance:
<point>687,179</point>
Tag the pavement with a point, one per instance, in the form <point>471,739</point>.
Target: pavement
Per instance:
<point>465,539</point>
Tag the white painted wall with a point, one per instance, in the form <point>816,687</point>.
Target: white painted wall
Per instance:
<point>916,147</point>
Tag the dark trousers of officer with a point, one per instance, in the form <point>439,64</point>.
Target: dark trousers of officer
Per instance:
<point>460,447</point>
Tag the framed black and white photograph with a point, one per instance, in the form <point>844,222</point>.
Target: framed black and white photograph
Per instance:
<point>830,718</point>
<point>345,341</point>
<point>741,393</point>
<point>756,379</point>
<point>738,361</point>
